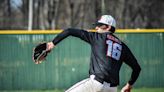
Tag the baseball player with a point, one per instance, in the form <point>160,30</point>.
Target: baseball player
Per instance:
<point>107,55</point>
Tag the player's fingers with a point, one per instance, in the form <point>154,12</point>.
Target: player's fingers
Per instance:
<point>40,62</point>
<point>50,46</point>
<point>36,62</point>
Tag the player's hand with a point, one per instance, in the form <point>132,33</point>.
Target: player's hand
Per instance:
<point>50,46</point>
<point>126,88</point>
<point>41,51</point>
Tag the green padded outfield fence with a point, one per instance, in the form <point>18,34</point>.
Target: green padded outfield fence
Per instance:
<point>68,63</point>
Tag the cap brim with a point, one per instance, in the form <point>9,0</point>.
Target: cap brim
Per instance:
<point>98,24</point>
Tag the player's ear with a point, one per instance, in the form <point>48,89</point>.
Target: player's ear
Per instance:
<point>109,27</point>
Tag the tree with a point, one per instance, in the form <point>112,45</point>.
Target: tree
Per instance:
<point>60,14</point>
<point>5,13</point>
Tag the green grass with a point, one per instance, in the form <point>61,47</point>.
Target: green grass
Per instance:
<point>134,90</point>
<point>148,90</point>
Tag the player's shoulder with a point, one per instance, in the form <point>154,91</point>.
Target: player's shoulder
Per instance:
<point>74,29</point>
<point>114,38</point>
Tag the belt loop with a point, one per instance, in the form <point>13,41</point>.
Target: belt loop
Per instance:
<point>92,77</point>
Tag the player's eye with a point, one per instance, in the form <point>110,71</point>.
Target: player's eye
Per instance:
<point>103,27</point>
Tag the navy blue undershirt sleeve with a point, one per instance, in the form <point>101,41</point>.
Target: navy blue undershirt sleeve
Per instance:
<point>82,34</point>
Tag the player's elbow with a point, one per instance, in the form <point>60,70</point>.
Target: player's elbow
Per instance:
<point>138,69</point>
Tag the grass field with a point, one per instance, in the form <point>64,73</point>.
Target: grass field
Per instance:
<point>134,90</point>
<point>148,90</point>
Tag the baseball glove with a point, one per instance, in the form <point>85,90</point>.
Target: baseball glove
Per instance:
<point>40,53</point>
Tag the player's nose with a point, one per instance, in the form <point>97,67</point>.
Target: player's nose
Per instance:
<point>96,27</point>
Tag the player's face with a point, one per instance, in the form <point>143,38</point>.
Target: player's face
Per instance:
<point>102,28</point>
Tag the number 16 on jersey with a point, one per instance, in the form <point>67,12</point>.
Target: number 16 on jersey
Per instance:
<point>113,49</point>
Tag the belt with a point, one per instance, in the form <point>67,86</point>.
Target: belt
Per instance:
<point>102,81</point>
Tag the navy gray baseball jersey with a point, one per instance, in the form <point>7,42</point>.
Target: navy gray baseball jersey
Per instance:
<point>107,55</point>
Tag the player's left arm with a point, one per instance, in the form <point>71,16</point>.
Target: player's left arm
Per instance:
<point>131,61</point>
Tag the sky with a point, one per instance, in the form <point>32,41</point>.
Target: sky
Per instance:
<point>16,3</point>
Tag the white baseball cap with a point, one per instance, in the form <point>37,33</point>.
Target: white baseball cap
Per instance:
<point>106,19</point>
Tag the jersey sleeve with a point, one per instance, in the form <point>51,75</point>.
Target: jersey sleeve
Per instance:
<point>82,34</point>
<point>131,61</point>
